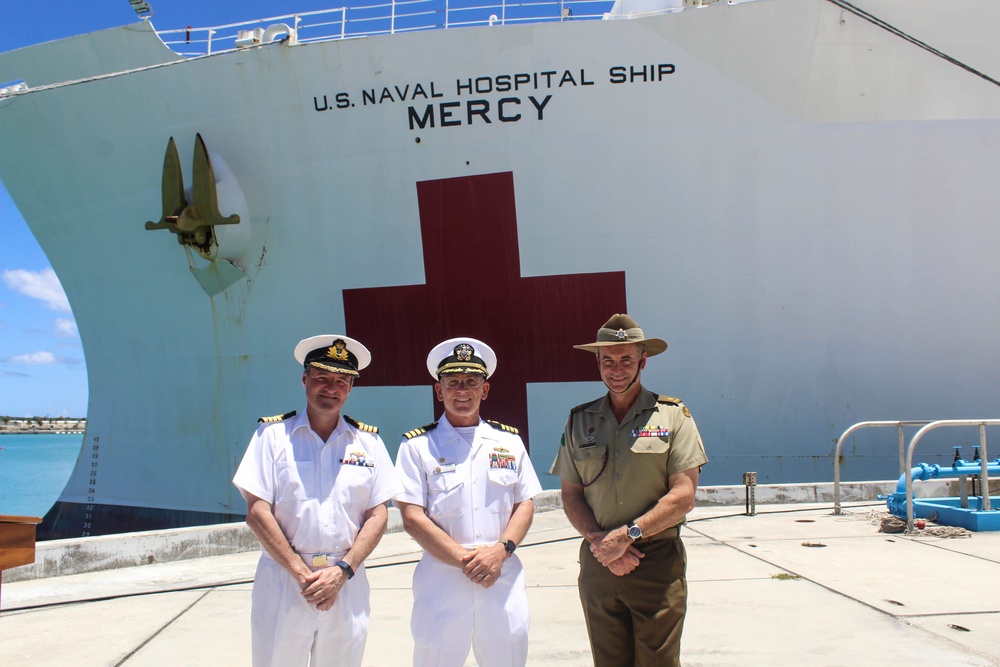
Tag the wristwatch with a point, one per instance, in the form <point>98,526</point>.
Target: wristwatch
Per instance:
<point>634,531</point>
<point>346,568</point>
<point>508,546</point>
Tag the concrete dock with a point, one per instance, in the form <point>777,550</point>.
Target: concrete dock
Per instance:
<point>792,585</point>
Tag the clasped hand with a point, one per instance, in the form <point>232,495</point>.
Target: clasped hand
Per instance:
<point>482,565</point>
<point>615,552</point>
<point>320,588</point>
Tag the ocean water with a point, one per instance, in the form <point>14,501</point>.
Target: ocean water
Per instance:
<point>34,469</point>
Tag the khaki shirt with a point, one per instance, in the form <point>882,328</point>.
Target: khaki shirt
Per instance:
<point>625,467</point>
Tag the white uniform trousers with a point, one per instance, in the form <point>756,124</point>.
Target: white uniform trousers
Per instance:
<point>287,631</point>
<point>451,615</point>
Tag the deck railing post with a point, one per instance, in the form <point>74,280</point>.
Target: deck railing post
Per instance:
<point>984,483</point>
<point>902,449</point>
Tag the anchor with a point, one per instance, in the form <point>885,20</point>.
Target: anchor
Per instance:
<point>192,223</point>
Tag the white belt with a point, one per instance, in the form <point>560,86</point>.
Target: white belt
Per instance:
<point>317,561</point>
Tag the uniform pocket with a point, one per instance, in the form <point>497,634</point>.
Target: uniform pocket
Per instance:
<point>651,445</point>
<point>590,462</point>
<point>500,491</point>
<point>353,485</point>
<point>590,453</point>
<point>444,495</point>
<point>294,479</point>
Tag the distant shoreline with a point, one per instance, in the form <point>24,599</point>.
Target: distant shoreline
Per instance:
<point>38,431</point>
<point>31,426</point>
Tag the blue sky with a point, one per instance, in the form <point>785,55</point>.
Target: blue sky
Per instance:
<point>42,366</point>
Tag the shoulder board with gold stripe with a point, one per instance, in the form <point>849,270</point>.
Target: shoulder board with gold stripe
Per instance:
<point>420,430</point>
<point>670,400</point>
<point>276,418</point>
<point>502,427</point>
<point>361,426</point>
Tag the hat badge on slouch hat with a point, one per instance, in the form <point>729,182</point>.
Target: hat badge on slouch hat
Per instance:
<point>461,355</point>
<point>334,353</point>
<point>621,330</point>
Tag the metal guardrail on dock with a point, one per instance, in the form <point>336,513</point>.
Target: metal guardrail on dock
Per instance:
<point>983,458</point>
<point>906,455</point>
<point>899,425</point>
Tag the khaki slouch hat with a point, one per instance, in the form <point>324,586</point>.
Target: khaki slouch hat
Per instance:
<point>622,330</point>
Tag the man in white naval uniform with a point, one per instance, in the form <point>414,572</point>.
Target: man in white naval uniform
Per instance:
<point>317,487</point>
<point>467,500</point>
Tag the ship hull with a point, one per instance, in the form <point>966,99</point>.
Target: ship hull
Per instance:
<point>800,202</point>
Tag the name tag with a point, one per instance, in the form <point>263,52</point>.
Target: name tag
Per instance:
<point>448,467</point>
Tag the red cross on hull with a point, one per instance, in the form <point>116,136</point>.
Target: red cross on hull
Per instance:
<point>474,288</point>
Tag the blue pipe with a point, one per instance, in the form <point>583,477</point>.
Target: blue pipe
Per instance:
<point>896,503</point>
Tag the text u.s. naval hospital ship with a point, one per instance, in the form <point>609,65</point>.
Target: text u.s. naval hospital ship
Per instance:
<point>801,196</point>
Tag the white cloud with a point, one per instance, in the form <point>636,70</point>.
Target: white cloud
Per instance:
<point>65,328</point>
<point>43,358</point>
<point>42,285</point>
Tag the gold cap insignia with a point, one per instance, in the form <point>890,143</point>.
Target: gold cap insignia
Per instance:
<point>464,352</point>
<point>338,351</point>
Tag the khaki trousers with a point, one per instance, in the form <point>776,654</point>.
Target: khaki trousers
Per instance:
<point>636,619</point>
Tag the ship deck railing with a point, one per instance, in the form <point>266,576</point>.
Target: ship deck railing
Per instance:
<point>400,16</point>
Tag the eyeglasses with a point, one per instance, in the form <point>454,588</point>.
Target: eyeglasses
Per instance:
<point>466,383</point>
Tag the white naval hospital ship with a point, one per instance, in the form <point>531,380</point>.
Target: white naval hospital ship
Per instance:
<point>799,195</point>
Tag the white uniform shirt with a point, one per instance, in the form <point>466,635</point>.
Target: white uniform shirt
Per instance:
<point>319,491</point>
<point>468,491</point>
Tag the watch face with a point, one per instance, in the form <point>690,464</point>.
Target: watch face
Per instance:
<point>635,532</point>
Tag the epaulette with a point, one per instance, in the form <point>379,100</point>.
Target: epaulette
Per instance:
<point>583,406</point>
<point>361,426</point>
<point>579,408</point>
<point>670,400</point>
<point>420,430</point>
<point>674,401</point>
<point>501,427</point>
<point>276,418</point>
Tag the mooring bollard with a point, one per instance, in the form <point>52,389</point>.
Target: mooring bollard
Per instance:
<point>750,481</point>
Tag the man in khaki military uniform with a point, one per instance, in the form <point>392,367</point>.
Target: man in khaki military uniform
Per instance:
<point>629,465</point>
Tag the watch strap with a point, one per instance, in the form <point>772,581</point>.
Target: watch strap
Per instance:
<point>346,568</point>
